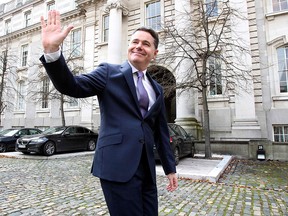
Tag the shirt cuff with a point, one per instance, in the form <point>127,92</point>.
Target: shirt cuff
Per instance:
<point>51,57</point>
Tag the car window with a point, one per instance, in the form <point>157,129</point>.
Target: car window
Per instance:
<point>22,132</point>
<point>71,130</point>
<point>79,130</point>
<point>182,131</point>
<point>33,131</point>
<point>176,128</point>
<point>171,131</point>
<point>8,132</point>
<point>86,130</point>
<point>54,130</point>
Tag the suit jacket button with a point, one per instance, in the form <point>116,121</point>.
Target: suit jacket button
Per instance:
<point>141,141</point>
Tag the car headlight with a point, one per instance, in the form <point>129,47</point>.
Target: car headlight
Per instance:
<point>38,140</point>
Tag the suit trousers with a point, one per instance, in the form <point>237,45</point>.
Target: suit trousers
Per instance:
<point>137,197</point>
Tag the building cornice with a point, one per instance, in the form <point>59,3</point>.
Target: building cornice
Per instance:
<point>20,8</point>
<point>85,3</point>
<point>37,27</point>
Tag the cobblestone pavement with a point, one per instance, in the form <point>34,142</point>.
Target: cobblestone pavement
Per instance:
<point>66,187</point>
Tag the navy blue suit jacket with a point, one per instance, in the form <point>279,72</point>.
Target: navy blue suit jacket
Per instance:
<point>123,130</point>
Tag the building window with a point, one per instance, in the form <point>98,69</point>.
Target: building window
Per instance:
<point>73,102</point>
<point>27,18</point>
<point>153,15</point>
<point>282,55</point>
<point>281,133</point>
<point>215,75</point>
<point>24,55</point>
<point>50,6</point>
<point>20,96</point>
<point>8,26</point>
<point>76,43</point>
<point>211,8</point>
<point>280,5</point>
<point>45,92</point>
<point>105,28</point>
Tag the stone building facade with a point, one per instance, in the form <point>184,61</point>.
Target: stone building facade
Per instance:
<point>101,33</point>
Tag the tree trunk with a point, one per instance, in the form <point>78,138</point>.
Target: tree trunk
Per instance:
<point>206,124</point>
<point>62,110</point>
<point>4,68</point>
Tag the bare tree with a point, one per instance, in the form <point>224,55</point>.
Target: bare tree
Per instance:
<point>205,43</point>
<point>7,75</point>
<point>46,92</point>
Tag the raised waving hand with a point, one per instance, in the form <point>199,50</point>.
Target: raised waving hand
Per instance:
<point>52,33</point>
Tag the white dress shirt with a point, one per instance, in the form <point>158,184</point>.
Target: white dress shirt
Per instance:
<point>147,85</point>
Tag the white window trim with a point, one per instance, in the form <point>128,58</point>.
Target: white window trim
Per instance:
<point>21,55</point>
<point>24,17</point>
<point>81,42</point>
<point>273,67</point>
<point>143,11</point>
<point>100,36</point>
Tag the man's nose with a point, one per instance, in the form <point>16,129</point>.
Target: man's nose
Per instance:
<point>139,45</point>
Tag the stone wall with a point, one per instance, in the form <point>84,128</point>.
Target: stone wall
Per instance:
<point>246,149</point>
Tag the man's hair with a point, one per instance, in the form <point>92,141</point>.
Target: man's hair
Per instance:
<point>151,32</point>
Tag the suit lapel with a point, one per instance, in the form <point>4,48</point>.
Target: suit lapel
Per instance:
<point>157,93</point>
<point>127,72</point>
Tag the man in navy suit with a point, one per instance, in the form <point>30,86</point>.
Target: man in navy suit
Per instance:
<point>124,159</point>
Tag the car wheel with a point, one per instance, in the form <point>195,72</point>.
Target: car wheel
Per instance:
<point>91,145</point>
<point>176,155</point>
<point>192,151</point>
<point>49,148</point>
<point>2,147</point>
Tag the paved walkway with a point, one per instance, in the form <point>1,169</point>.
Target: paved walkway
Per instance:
<point>64,186</point>
<point>195,168</point>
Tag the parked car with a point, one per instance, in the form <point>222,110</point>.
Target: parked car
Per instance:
<point>181,142</point>
<point>58,139</point>
<point>8,137</point>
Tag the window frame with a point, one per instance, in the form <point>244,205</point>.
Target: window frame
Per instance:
<point>158,17</point>
<point>27,18</point>
<point>282,135</point>
<point>282,74</point>
<point>20,101</point>
<point>76,43</point>
<point>50,5</point>
<point>105,28</point>
<point>8,26</point>
<point>24,55</point>
<point>277,5</point>
<point>45,93</point>
<point>216,75</point>
<point>211,8</point>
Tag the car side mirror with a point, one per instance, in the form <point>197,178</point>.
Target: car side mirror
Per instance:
<point>66,133</point>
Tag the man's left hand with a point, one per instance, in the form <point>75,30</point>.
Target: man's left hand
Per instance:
<point>173,182</point>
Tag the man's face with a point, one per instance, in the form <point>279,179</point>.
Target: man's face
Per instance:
<point>141,50</point>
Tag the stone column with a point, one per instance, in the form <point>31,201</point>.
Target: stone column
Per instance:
<point>245,123</point>
<point>115,8</point>
<point>186,101</point>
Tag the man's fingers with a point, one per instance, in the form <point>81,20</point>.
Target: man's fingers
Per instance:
<point>67,30</point>
<point>43,23</point>
<point>53,17</point>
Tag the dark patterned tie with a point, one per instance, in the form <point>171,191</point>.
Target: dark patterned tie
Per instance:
<point>143,95</point>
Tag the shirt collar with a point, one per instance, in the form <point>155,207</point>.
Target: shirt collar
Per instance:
<point>134,70</point>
